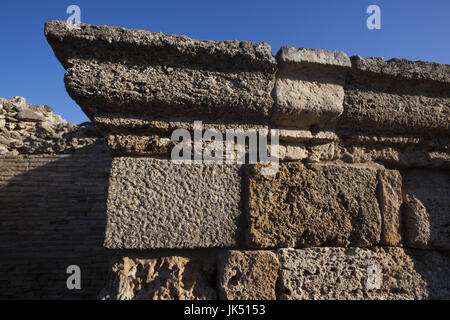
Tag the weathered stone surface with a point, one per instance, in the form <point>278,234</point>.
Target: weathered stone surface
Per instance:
<point>30,129</point>
<point>96,40</point>
<point>3,150</point>
<point>322,152</point>
<point>296,135</point>
<point>390,199</point>
<point>397,96</point>
<point>160,277</point>
<point>394,150</point>
<point>52,209</point>
<point>427,214</point>
<point>338,273</point>
<point>145,145</point>
<point>434,268</point>
<point>390,110</point>
<point>309,87</point>
<point>248,275</point>
<point>292,152</point>
<point>317,56</point>
<point>138,124</point>
<point>28,115</point>
<point>139,136</point>
<point>403,68</point>
<point>156,203</point>
<point>116,70</point>
<point>313,206</point>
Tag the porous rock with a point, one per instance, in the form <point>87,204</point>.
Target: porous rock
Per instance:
<point>160,277</point>
<point>309,87</point>
<point>248,275</point>
<point>313,206</point>
<point>427,215</point>
<point>352,273</point>
<point>390,199</point>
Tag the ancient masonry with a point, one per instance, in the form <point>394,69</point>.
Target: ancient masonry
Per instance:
<point>359,208</point>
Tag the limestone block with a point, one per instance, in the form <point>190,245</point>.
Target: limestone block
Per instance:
<point>397,96</point>
<point>391,111</point>
<point>161,277</point>
<point>414,70</point>
<point>399,151</point>
<point>390,198</point>
<point>427,216</point>
<point>322,152</point>
<point>144,145</point>
<point>317,56</point>
<point>359,273</point>
<point>292,152</point>
<point>248,275</point>
<point>155,203</point>
<point>309,87</point>
<point>118,70</point>
<point>313,205</point>
<point>299,135</point>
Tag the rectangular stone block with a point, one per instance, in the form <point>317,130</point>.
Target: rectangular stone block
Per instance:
<point>395,111</point>
<point>363,274</point>
<point>403,68</point>
<point>313,205</point>
<point>156,203</point>
<point>427,214</point>
<point>118,70</point>
<point>248,275</point>
<point>309,87</point>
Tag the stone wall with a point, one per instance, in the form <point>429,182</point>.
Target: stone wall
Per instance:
<point>53,189</point>
<point>357,209</point>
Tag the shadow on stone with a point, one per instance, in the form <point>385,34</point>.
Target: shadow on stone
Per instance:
<point>53,212</point>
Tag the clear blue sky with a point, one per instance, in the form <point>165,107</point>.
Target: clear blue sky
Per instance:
<point>412,29</point>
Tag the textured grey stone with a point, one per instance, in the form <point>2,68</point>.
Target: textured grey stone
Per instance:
<point>309,87</point>
<point>338,273</point>
<point>31,129</point>
<point>295,135</point>
<point>397,96</point>
<point>390,200</point>
<point>248,275</point>
<point>156,203</point>
<point>378,106</point>
<point>396,151</point>
<point>28,115</point>
<point>160,276</point>
<point>319,56</point>
<point>315,205</point>
<point>116,70</point>
<point>418,70</point>
<point>427,216</point>
<point>434,268</point>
